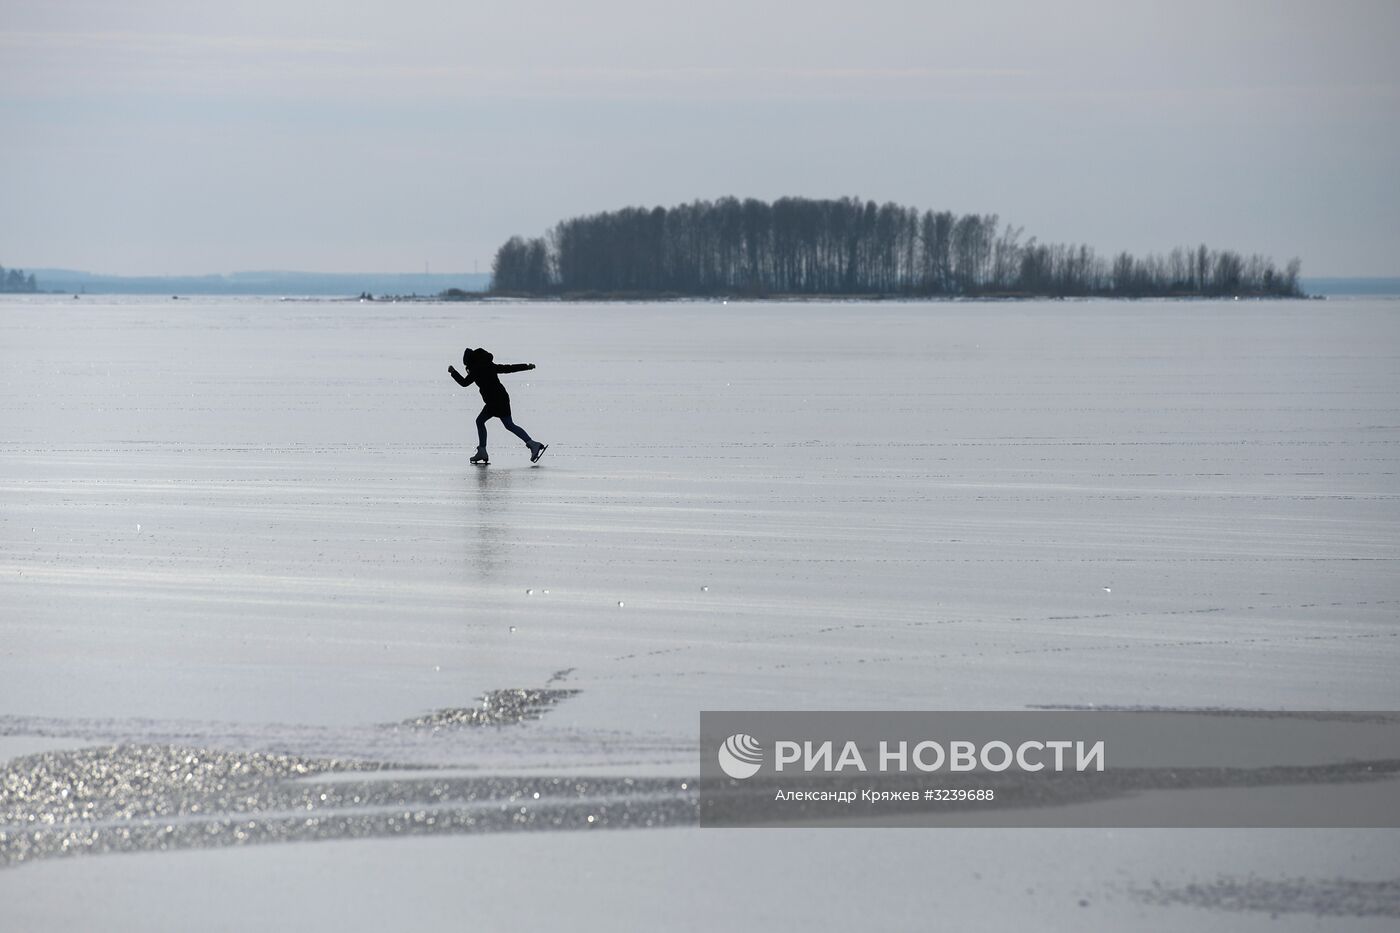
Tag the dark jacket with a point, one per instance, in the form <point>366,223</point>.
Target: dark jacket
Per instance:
<point>483,370</point>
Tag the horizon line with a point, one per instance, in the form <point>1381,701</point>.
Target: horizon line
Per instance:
<point>312,272</point>
<point>213,275</point>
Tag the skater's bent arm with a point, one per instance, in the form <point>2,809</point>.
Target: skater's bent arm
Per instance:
<point>514,367</point>
<point>462,381</point>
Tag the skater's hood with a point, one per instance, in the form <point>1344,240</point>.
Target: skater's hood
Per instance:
<point>477,357</point>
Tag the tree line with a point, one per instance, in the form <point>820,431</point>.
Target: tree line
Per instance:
<point>801,246</point>
<point>14,280</point>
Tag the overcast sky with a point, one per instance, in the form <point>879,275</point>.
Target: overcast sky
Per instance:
<point>184,136</point>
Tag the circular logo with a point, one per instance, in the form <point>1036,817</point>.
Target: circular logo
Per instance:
<point>740,756</point>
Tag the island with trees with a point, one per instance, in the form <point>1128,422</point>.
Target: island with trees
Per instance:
<point>800,247</point>
<point>14,280</point>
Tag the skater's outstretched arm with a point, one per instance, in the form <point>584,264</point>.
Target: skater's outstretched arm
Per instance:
<point>513,367</point>
<point>462,381</point>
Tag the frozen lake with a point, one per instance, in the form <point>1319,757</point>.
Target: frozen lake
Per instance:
<point>250,526</point>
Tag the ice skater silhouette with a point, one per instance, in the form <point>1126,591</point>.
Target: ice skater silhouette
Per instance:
<point>483,370</point>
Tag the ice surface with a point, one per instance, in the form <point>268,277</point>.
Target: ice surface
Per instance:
<point>251,526</point>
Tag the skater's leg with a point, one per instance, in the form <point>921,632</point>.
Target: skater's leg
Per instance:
<point>517,430</point>
<point>480,455</point>
<point>481,420</point>
<point>536,448</point>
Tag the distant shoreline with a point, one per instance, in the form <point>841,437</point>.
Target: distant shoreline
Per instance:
<point>347,284</point>
<point>799,298</point>
<point>206,286</point>
<point>1313,287</point>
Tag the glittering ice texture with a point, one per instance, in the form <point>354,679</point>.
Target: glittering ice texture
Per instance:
<point>136,797</point>
<point>133,798</point>
<point>1338,897</point>
<point>497,708</point>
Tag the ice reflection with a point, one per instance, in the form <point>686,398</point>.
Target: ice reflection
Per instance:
<point>490,537</point>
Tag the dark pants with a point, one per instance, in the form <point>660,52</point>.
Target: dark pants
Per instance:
<point>486,415</point>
